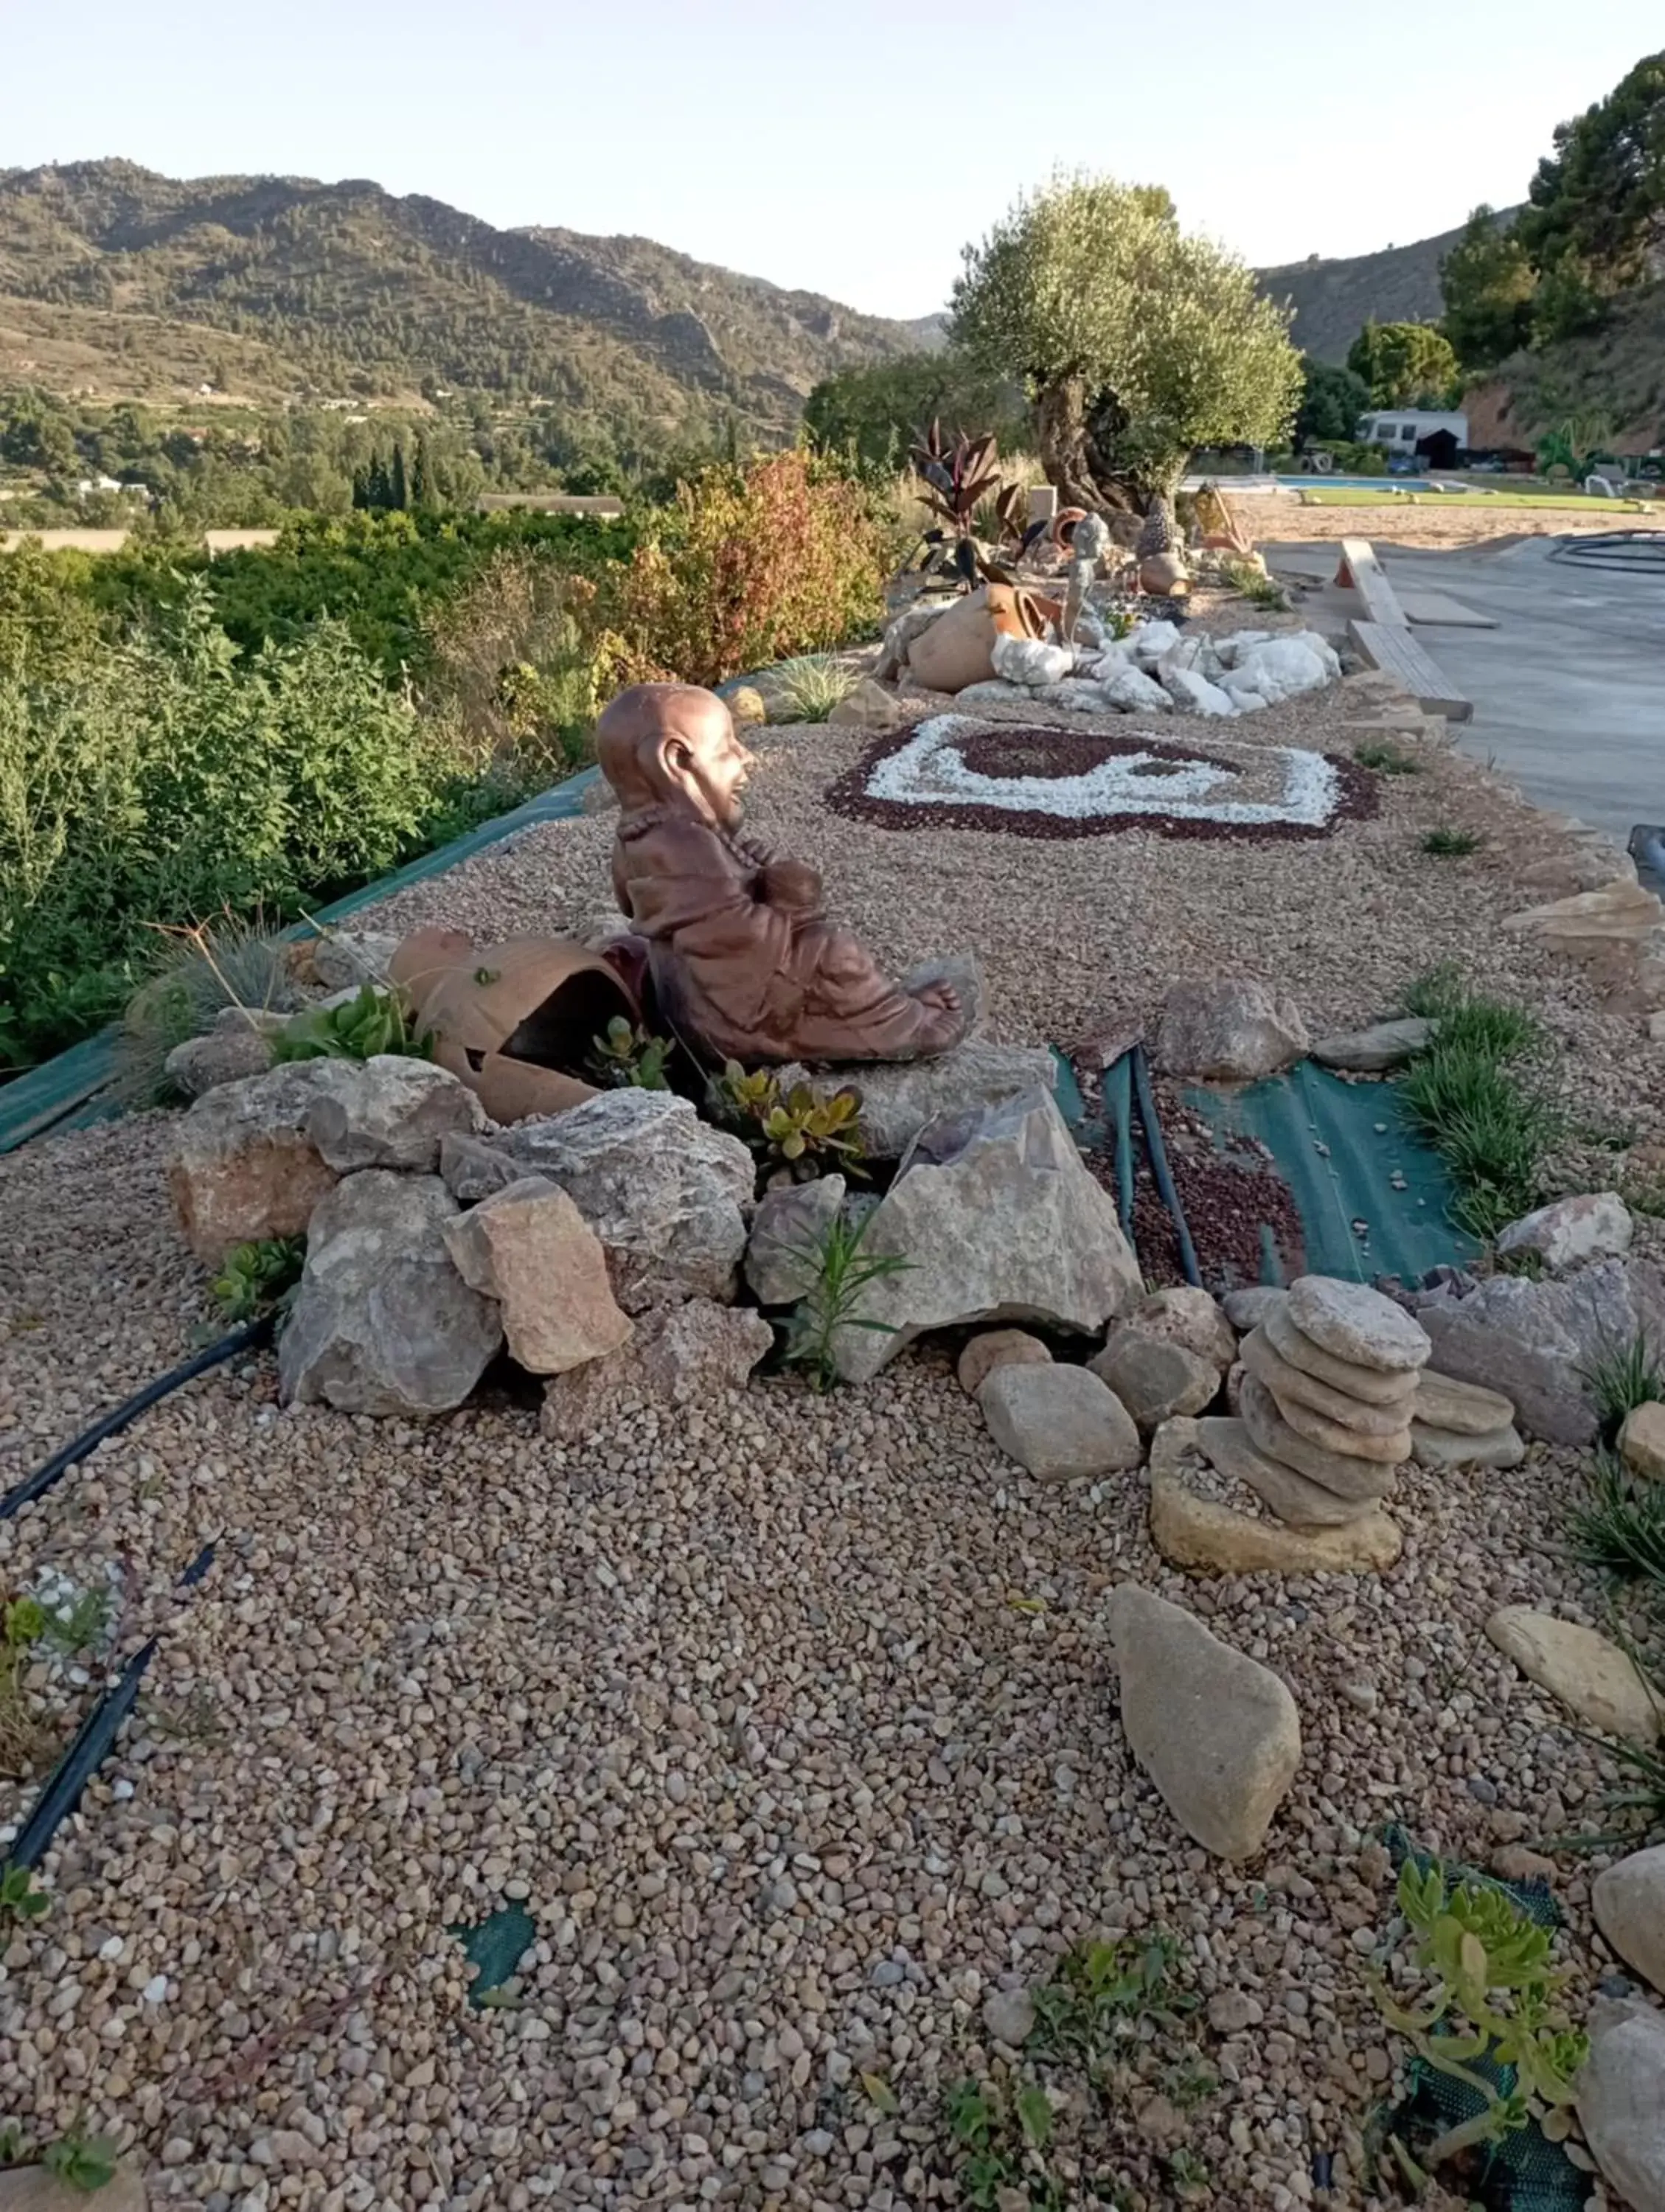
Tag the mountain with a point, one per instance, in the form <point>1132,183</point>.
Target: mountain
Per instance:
<point>111,274</point>
<point>1333,300</point>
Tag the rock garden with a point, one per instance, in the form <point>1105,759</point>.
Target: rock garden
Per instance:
<point>759,1637</point>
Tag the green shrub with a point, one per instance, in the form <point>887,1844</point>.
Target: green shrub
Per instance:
<point>1472,1093</point>
<point>363,1027</point>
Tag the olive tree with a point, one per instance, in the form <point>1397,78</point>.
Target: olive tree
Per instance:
<point>1136,343</point>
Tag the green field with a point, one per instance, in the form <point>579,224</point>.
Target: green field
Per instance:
<point>1574,502</point>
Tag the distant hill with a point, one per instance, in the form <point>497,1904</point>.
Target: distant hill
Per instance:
<point>115,278</point>
<point>1333,300</point>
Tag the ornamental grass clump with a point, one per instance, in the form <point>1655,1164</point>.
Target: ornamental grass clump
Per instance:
<point>1475,1093</point>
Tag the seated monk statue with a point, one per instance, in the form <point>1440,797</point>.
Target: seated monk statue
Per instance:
<point>743,959</point>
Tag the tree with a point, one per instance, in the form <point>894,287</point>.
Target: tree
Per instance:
<point>1487,283</point>
<point>1332,400</point>
<point>398,493</point>
<point>1136,343</point>
<point>1596,207</point>
<point>1405,364</point>
<point>873,413</point>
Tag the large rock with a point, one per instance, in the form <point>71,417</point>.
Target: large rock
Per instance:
<point>867,706</point>
<point>531,1248</point>
<point>1217,1732</point>
<point>1247,1309</point>
<point>244,1167</point>
<point>667,1194</point>
<point>1344,1474</point>
<point>996,1218</point>
<point>1187,1316</point>
<point>899,1100</point>
<point>1369,1052</point>
<point>1228,1031</point>
<point>472,1168</point>
<point>1591,1676</point>
<point>1352,1321</point>
<point>1133,691</point>
<point>1621,2101</point>
<point>1155,1379</point>
<point>1372,1386</point>
<point>238,1045</point>
<point>1441,1449</point>
<point>382,1322</point>
<point>1629,1900</point>
<point>1229,1448</point>
<point>388,1112</point>
<point>1591,922</point>
<point>1596,1227</point>
<point>680,1356</point>
<point>1291,1387</point>
<point>998,1347</point>
<point>1442,1402</point>
<point>781,1264</point>
<point>1058,1422</point>
<point>1642,1441</point>
<point>1205,1537</point>
<point>1534,1340</point>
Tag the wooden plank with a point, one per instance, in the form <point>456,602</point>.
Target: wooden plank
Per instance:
<point>1397,654</point>
<point>1360,571</point>
<point>1428,609</point>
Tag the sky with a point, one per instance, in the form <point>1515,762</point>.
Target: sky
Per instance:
<point>850,148</point>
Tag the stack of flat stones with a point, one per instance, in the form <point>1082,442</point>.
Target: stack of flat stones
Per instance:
<point>1329,1394</point>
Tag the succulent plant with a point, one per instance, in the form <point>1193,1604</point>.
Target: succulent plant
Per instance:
<point>796,1129</point>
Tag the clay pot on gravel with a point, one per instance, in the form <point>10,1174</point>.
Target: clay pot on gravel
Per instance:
<point>958,648</point>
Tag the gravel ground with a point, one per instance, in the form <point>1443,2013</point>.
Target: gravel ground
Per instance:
<point>792,1724</point>
<point>1272,517</point>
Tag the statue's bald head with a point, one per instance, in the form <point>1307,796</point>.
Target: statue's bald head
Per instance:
<point>672,744</point>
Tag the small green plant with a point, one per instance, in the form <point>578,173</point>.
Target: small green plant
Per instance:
<point>81,2161</point>
<point>839,1273</point>
<point>1255,586</point>
<point>1189,2174</point>
<point>808,688</point>
<point>363,1028</point>
<point>1493,2001</point>
<point>257,1277</point>
<point>1472,1094</point>
<point>795,1129</point>
<point>1385,759</point>
<point>1438,990</point>
<point>1452,844</point>
<point>625,1057</point>
<point>1637,1806</point>
<point>20,1896</point>
<point>22,1624</point>
<point>1644,1191</point>
<point>1622,1377</point>
<point>1620,1527</point>
<point>1103,1991</point>
<point>1001,2138</point>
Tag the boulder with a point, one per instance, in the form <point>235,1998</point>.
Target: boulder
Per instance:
<point>244,1168</point>
<point>1588,864</point>
<point>1352,1321</point>
<point>998,1347</point>
<point>1187,1316</point>
<point>1592,1677</point>
<point>531,1248</point>
<point>1217,1732</point>
<point>1134,691</point>
<point>1229,1448</point>
<point>388,1112</point>
<point>679,1356</point>
<point>1642,1441</point>
<point>1193,693</point>
<point>382,1322</point>
<point>1058,1422</point>
<point>1442,1402</point>
<point>238,1045</point>
<point>899,1098</point>
<point>1204,1536</point>
<point>1534,1340</point>
<point>1247,1309</point>
<point>787,1230</point>
<point>1283,667</point>
<point>1373,1386</point>
<point>470,1169</point>
<point>1228,1031</point>
<point>1591,922</point>
<point>667,1194</point>
<point>997,1219</point>
<point>1032,660</point>
<point>1629,1901</point>
<point>1621,2100</point>
<point>346,959</point>
<point>867,706</point>
<point>1443,1449</point>
<point>1153,1378</point>
<point>1293,1389</point>
<point>1346,1474</point>
<point>1369,1052</point>
<point>1147,642</point>
<point>1596,1227</point>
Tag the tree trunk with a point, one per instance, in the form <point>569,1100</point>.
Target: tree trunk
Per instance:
<point>1060,432</point>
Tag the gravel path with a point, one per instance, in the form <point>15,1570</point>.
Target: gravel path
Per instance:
<point>1273,517</point>
<point>793,1725</point>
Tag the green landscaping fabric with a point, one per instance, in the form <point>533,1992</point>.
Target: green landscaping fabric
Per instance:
<point>63,1093</point>
<point>1341,1147</point>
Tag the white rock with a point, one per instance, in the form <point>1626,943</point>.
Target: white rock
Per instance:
<point>1596,1227</point>
<point>1231,649</point>
<point>1032,660</point>
<point>1629,1901</point>
<point>1194,695</point>
<point>1130,690</point>
<point>1074,696</point>
<point>1283,667</point>
<point>993,693</point>
<point>1243,692</point>
<point>1148,641</point>
<point>1621,2101</point>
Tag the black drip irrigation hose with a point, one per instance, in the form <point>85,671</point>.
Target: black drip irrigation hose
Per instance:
<point>93,1740</point>
<point>1160,1168</point>
<point>246,1338</point>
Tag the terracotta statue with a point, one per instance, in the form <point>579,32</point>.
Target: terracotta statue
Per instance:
<point>743,960</point>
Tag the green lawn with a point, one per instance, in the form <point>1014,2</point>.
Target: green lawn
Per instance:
<point>1322,495</point>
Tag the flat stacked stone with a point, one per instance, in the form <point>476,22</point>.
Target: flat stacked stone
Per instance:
<point>1328,1397</point>
<point>1460,1424</point>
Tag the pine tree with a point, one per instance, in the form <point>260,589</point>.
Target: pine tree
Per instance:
<point>399,495</point>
